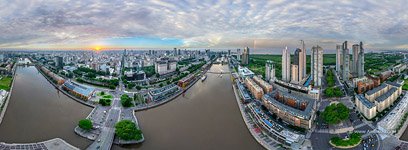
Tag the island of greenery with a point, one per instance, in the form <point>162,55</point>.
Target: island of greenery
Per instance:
<point>335,113</point>
<point>352,141</point>
<point>332,91</point>
<point>126,101</point>
<point>85,124</point>
<point>127,130</point>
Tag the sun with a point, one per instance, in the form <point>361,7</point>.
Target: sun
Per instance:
<point>97,48</point>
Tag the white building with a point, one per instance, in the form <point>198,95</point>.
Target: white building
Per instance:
<point>317,65</point>
<point>338,57</point>
<point>165,66</point>
<point>285,65</point>
<point>269,71</point>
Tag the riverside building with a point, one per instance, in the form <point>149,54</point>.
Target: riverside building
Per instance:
<point>294,109</point>
<point>256,90</point>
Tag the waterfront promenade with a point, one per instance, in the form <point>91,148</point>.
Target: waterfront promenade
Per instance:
<point>53,144</point>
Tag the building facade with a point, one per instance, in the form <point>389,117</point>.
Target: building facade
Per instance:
<point>285,65</point>
<point>346,62</point>
<point>338,58</point>
<point>256,90</point>
<point>245,56</point>
<point>269,71</point>
<point>317,65</point>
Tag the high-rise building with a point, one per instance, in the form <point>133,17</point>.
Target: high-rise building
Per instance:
<point>179,52</point>
<point>175,51</point>
<point>245,56</point>
<point>295,74</point>
<point>285,65</point>
<point>303,59</point>
<point>338,58</point>
<point>269,71</point>
<point>317,65</point>
<point>58,62</point>
<point>360,65</point>
<point>229,52</point>
<point>356,51</point>
<point>297,66</point>
<point>346,62</point>
<point>239,54</point>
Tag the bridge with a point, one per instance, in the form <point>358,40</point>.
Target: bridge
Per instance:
<point>214,72</point>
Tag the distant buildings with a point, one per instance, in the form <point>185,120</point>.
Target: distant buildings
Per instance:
<point>165,66</point>
<point>135,75</point>
<point>317,65</point>
<point>399,68</point>
<point>285,65</point>
<point>269,71</point>
<point>239,54</point>
<point>378,99</point>
<point>58,62</point>
<point>245,56</point>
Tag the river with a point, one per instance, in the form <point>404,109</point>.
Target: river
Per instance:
<point>206,117</point>
<point>38,112</point>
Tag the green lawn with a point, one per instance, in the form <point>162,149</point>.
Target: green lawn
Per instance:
<point>5,83</point>
<point>257,63</point>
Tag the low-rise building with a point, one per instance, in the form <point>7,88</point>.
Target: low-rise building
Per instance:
<point>244,72</point>
<point>399,68</point>
<point>243,93</point>
<point>186,81</point>
<point>295,110</point>
<point>165,66</point>
<point>56,78</point>
<point>263,84</point>
<point>163,92</point>
<point>390,123</point>
<point>78,90</point>
<point>256,90</point>
<point>378,99</point>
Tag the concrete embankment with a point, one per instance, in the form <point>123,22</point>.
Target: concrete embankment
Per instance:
<point>5,103</point>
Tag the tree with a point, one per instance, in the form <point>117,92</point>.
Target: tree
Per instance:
<point>127,130</point>
<point>85,124</point>
<point>105,102</point>
<point>138,87</point>
<point>335,113</point>
<point>126,100</point>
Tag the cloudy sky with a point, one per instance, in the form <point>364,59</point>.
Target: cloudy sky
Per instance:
<point>269,24</point>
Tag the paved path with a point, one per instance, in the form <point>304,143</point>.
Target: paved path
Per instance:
<point>53,144</point>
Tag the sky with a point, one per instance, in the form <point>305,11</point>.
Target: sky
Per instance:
<point>225,24</point>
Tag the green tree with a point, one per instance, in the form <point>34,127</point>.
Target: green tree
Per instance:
<point>126,101</point>
<point>138,87</point>
<point>85,124</point>
<point>127,130</point>
<point>335,113</point>
<point>105,102</point>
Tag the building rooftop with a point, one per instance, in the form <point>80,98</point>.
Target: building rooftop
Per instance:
<point>82,89</point>
<point>244,71</point>
<point>162,89</point>
<point>365,101</point>
<point>243,91</point>
<point>386,95</point>
<point>376,89</point>
<point>394,84</point>
<point>253,84</point>
<point>305,114</point>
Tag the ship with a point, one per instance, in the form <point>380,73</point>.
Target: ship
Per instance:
<point>203,78</point>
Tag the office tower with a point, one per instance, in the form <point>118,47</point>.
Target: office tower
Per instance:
<point>338,58</point>
<point>295,74</point>
<point>229,52</point>
<point>238,54</point>
<point>317,65</point>
<point>175,51</point>
<point>356,50</point>
<point>179,52</point>
<point>245,56</point>
<point>360,65</point>
<point>285,65</point>
<point>269,71</point>
<point>304,58</point>
<point>346,62</point>
<point>58,62</point>
<point>297,66</point>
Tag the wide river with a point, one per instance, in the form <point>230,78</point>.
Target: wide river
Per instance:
<point>205,117</point>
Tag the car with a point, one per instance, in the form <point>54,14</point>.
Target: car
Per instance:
<point>99,140</point>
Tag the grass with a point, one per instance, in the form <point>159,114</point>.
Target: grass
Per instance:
<point>5,83</point>
<point>257,63</point>
<point>405,86</point>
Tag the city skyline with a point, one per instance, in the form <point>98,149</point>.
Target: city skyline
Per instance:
<point>217,25</point>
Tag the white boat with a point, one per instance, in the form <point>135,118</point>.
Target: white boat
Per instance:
<point>204,77</point>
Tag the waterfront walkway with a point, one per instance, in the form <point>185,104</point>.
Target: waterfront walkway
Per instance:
<point>53,144</point>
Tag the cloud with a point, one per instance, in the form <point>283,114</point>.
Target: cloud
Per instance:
<point>214,24</point>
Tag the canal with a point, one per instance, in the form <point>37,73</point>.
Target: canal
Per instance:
<point>38,112</point>
<point>206,117</point>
